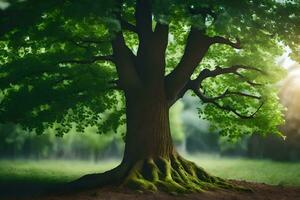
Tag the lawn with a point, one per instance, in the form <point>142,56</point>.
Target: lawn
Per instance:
<point>60,171</point>
<point>262,171</point>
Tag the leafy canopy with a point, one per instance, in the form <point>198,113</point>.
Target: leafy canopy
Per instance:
<point>56,68</point>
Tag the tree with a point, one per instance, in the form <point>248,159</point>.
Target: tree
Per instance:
<point>66,62</point>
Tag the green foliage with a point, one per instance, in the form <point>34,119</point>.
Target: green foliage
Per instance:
<point>262,28</point>
<point>270,114</point>
<point>42,84</point>
<point>35,68</point>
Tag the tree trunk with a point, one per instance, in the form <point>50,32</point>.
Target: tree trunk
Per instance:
<point>150,160</point>
<point>148,128</point>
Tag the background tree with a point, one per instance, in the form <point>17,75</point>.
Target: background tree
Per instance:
<point>65,63</point>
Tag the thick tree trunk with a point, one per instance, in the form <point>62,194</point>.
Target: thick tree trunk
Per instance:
<point>148,127</point>
<point>150,160</point>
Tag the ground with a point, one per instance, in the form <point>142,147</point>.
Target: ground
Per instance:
<point>24,178</point>
<point>259,192</point>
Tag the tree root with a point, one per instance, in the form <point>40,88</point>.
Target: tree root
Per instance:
<point>173,175</point>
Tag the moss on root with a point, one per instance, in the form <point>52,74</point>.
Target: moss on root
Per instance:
<point>172,175</point>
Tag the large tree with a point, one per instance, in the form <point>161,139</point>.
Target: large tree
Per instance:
<point>102,63</point>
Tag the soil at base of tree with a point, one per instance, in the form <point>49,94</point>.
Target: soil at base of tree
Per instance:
<point>259,192</point>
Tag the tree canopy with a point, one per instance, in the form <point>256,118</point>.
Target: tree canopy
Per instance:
<point>60,67</point>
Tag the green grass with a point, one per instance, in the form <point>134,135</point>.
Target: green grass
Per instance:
<point>59,171</point>
<point>49,171</point>
<point>262,171</point>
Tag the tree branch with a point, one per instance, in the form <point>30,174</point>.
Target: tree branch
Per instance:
<point>230,93</point>
<point>123,56</point>
<point>206,73</point>
<point>125,63</point>
<point>160,43</point>
<point>195,86</point>
<point>213,101</point>
<point>161,36</point>
<point>196,47</point>
<point>143,16</point>
<point>222,40</point>
<point>247,81</point>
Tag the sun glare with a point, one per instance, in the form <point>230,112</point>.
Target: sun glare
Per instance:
<point>290,90</point>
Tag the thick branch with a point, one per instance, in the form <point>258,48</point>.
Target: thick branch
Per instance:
<point>161,36</point>
<point>124,60</point>
<point>195,50</point>
<point>151,55</point>
<point>222,40</point>
<point>159,43</point>
<point>143,17</point>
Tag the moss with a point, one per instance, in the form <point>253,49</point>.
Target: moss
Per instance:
<point>173,175</point>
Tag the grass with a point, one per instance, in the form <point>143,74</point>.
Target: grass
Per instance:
<point>262,171</point>
<point>27,177</point>
<point>49,171</point>
<point>59,171</point>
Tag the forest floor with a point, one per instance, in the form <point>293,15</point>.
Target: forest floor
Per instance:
<point>259,192</point>
<point>23,179</point>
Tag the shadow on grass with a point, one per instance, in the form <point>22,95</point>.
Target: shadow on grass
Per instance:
<point>17,189</point>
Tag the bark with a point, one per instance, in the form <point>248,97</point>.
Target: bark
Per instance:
<point>148,127</point>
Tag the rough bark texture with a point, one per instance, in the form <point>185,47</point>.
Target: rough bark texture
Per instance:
<point>148,127</point>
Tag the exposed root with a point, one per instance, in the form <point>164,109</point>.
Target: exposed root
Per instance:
<point>172,175</point>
